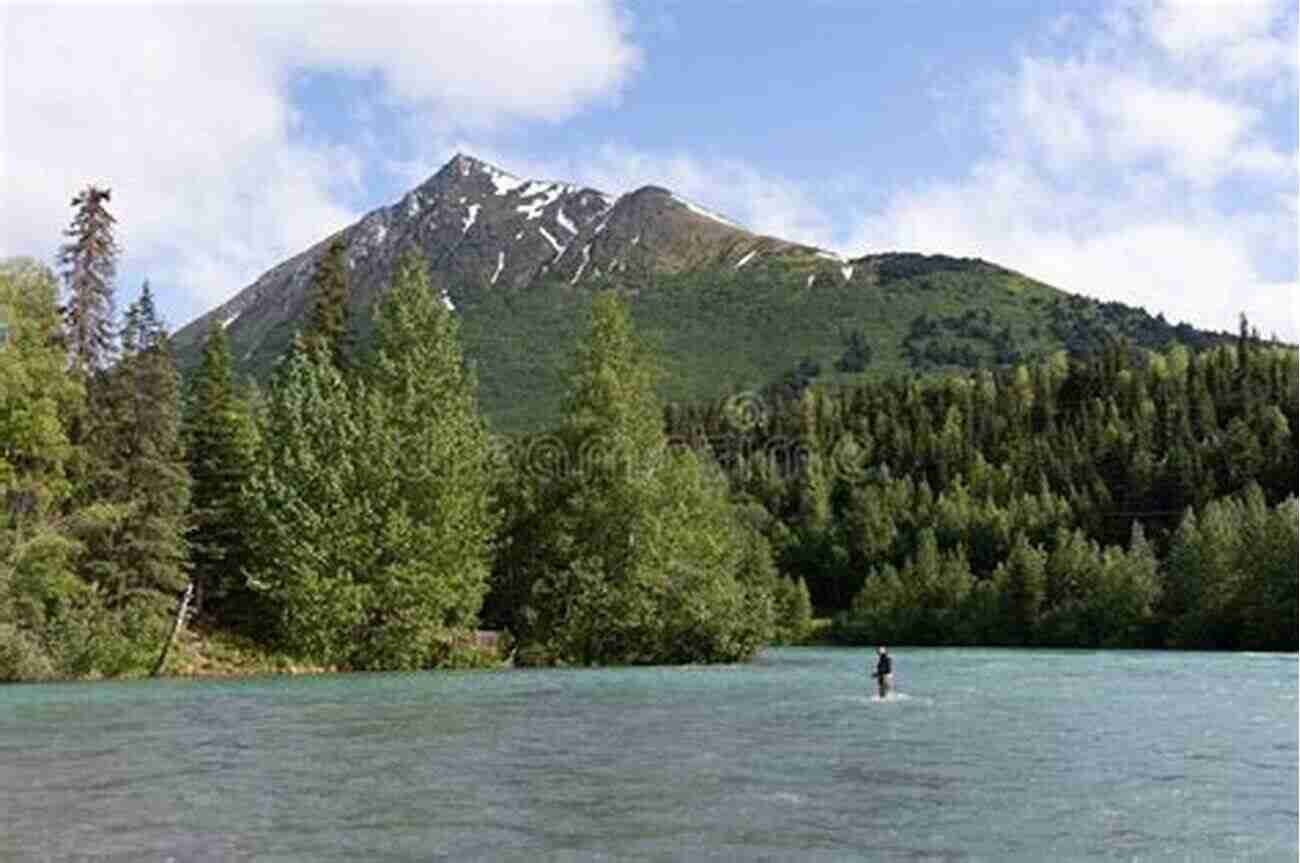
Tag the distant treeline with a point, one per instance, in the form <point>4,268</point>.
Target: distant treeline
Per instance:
<point>1128,498</point>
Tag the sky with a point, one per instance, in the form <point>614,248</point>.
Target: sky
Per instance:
<point>1143,151</point>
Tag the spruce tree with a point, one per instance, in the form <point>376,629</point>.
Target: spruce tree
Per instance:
<point>327,324</point>
<point>309,513</point>
<point>88,262</point>
<point>643,558</point>
<point>220,449</point>
<point>1022,580</point>
<point>134,521</point>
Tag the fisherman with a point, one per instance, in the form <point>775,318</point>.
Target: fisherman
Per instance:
<point>884,672</point>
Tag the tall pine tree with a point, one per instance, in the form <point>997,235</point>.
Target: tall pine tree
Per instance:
<point>88,262</point>
<point>135,520</point>
<point>327,325</point>
<point>220,446</point>
<point>638,554</point>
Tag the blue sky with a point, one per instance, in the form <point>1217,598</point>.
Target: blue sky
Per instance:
<point>1139,150</point>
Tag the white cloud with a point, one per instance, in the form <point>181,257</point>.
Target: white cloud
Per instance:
<point>1236,39</point>
<point>185,113</point>
<point>1110,167</point>
<point>1095,115</point>
<point>1198,268</point>
<point>762,201</point>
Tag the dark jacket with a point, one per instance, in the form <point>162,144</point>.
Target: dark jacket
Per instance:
<point>884,666</point>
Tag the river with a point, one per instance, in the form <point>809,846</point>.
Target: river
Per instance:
<point>982,755</point>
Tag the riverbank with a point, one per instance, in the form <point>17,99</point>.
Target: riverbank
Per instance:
<point>206,652</point>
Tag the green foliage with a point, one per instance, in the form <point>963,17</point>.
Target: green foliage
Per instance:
<point>52,623</point>
<point>443,455</point>
<point>999,507</point>
<point>132,514</point>
<point>793,610</point>
<point>1021,581</point>
<point>370,497</point>
<point>36,393</point>
<point>327,324</point>
<point>1229,575</point>
<point>221,447</point>
<point>635,552</point>
<point>88,262</point>
<point>857,354</point>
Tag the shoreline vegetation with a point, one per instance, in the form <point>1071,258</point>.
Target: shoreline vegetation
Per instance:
<point>354,512</point>
<point>214,653</point>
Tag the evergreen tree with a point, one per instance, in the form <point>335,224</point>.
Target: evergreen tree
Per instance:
<point>36,579</point>
<point>221,448</point>
<point>327,325</point>
<point>643,557</point>
<point>52,623</point>
<point>36,396</point>
<point>793,609</point>
<point>314,532</point>
<point>1271,586</point>
<point>444,458</point>
<point>1022,581</point>
<point>370,497</point>
<point>88,262</point>
<point>133,521</point>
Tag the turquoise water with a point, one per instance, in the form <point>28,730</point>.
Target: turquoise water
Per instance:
<point>983,755</point>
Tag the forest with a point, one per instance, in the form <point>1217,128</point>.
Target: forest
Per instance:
<point>1124,498</point>
<point>354,511</point>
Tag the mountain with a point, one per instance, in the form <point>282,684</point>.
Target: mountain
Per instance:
<point>728,308</point>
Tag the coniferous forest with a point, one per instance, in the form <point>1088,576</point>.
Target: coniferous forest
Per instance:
<point>353,511</point>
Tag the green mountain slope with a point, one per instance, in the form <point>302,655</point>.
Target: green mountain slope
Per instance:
<point>719,331</point>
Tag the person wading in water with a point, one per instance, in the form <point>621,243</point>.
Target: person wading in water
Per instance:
<point>884,672</point>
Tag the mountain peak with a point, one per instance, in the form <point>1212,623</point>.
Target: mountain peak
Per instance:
<point>482,228</point>
<point>462,166</point>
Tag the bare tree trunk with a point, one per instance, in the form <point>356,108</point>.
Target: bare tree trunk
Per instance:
<point>176,627</point>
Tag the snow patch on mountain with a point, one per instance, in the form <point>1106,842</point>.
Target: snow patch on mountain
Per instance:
<point>501,263</point>
<point>564,221</point>
<point>469,220</point>
<point>545,195</point>
<point>708,214</point>
<point>586,257</point>
<point>503,182</point>
<point>746,259</point>
<point>559,250</point>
